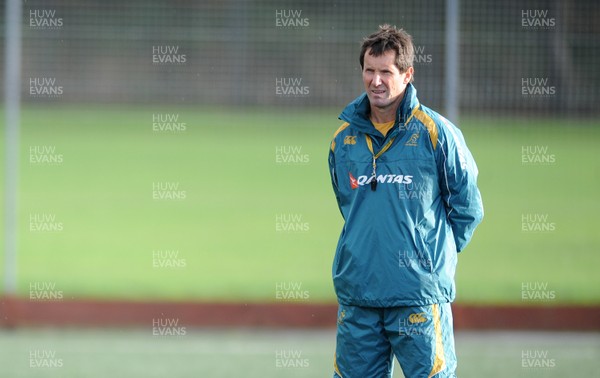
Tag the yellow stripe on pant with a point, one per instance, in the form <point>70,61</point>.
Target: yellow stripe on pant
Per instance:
<point>335,366</point>
<point>439,362</point>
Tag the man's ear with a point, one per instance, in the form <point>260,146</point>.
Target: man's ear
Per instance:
<point>409,75</point>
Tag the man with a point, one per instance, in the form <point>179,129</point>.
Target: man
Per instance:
<point>406,186</point>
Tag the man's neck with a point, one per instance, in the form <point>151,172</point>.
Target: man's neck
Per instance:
<point>379,115</point>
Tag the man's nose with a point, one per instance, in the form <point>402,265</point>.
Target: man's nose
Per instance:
<point>376,80</point>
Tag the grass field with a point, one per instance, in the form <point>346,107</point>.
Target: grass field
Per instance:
<point>95,353</point>
<point>222,230</point>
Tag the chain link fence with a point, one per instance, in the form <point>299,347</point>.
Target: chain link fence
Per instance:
<point>515,56</point>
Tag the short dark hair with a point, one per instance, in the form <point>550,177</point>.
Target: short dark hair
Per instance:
<point>390,38</point>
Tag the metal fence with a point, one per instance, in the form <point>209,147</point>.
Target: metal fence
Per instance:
<point>515,56</point>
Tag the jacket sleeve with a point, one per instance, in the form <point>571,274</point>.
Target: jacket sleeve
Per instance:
<point>458,182</point>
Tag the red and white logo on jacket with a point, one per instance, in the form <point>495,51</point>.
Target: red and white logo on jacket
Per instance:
<point>381,179</point>
<point>353,181</point>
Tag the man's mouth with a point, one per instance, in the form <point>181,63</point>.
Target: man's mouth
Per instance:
<point>378,91</point>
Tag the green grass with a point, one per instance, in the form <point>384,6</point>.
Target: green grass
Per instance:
<point>225,226</point>
<point>502,257</point>
<point>93,353</point>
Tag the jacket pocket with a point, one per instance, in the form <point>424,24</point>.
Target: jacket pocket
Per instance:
<point>423,253</point>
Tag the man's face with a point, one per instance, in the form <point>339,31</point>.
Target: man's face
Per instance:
<point>383,81</point>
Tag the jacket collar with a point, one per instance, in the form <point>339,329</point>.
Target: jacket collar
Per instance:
<point>357,112</point>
